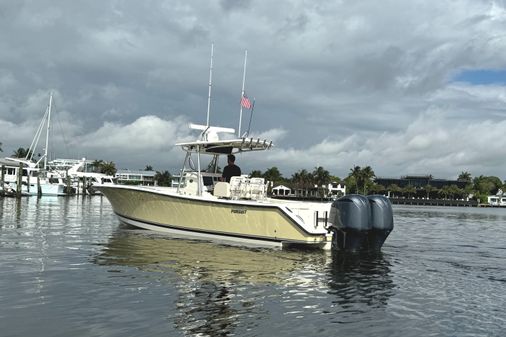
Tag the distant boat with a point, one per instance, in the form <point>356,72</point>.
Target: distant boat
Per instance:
<point>35,175</point>
<point>53,186</point>
<point>79,173</point>
<point>79,176</point>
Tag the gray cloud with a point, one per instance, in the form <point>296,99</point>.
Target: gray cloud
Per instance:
<point>336,83</point>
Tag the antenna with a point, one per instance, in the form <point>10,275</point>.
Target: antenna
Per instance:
<point>48,127</point>
<point>242,92</point>
<point>210,83</point>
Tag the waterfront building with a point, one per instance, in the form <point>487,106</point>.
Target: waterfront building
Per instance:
<point>419,181</point>
<point>333,189</point>
<point>139,177</point>
<point>282,191</point>
<point>337,189</point>
<point>174,180</point>
<point>499,199</point>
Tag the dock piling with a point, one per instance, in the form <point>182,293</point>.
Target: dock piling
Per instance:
<point>19,180</point>
<point>2,181</point>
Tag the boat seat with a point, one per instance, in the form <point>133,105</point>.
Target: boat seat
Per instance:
<point>236,186</point>
<point>257,188</point>
<point>222,189</point>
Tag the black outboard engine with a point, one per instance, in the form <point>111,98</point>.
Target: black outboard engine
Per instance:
<point>351,222</point>
<point>360,223</point>
<point>382,221</point>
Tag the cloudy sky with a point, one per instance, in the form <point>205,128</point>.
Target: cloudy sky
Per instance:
<point>407,87</point>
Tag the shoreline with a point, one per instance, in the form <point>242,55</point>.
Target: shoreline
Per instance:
<point>404,201</point>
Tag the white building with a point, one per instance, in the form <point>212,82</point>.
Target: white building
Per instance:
<point>281,190</point>
<point>131,177</point>
<point>332,189</point>
<point>337,188</point>
<point>497,200</point>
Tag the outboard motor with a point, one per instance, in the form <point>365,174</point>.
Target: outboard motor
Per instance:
<point>351,223</point>
<point>360,223</point>
<point>382,221</point>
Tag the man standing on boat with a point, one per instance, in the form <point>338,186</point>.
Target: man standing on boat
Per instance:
<point>231,169</point>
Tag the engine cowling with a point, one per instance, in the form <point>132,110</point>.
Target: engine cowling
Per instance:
<point>361,223</point>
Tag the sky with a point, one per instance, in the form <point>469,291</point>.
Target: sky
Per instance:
<point>406,87</point>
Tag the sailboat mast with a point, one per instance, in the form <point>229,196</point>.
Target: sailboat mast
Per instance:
<point>210,83</point>
<point>242,92</point>
<point>48,127</point>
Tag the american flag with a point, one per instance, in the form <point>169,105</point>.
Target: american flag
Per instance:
<point>245,102</point>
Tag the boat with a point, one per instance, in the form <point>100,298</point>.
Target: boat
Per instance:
<point>32,179</point>
<point>81,174</point>
<point>204,207</point>
<point>35,178</point>
<point>240,211</point>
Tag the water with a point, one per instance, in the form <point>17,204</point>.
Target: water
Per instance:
<point>68,268</point>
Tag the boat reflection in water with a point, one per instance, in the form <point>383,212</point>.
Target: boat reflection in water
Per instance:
<point>190,259</point>
<point>360,280</point>
<point>219,288</point>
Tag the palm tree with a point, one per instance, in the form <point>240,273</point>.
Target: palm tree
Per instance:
<point>428,189</point>
<point>367,176</point>
<point>351,184</point>
<point>321,178</point>
<point>148,168</point>
<point>273,174</point>
<point>394,188</point>
<point>455,191</point>
<point>444,191</point>
<point>21,153</point>
<point>1,147</point>
<point>307,179</point>
<point>302,179</point>
<point>465,176</point>
<point>355,173</point>
<point>256,174</point>
<point>163,178</point>
<point>376,188</point>
<point>296,180</point>
<point>409,190</point>
<point>363,177</point>
<point>108,168</point>
<point>97,165</point>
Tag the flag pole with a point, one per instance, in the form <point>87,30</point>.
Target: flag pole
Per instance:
<point>242,92</point>
<point>210,83</point>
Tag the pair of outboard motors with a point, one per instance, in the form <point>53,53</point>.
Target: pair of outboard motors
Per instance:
<point>361,223</point>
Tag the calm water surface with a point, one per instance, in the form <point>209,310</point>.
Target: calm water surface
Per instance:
<point>68,268</point>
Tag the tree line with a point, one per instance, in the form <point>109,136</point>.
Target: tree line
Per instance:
<point>363,180</point>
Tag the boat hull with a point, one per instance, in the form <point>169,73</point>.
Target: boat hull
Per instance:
<point>238,221</point>
<point>48,189</point>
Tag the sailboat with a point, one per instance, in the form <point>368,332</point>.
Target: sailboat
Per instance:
<point>34,179</point>
<point>240,211</point>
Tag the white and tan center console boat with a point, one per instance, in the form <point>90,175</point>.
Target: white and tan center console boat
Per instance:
<point>204,207</point>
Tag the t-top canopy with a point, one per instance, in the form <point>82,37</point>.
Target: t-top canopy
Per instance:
<point>210,143</point>
<point>226,146</point>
